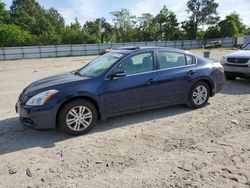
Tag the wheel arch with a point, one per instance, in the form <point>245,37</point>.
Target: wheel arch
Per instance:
<point>86,97</point>
<point>209,82</point>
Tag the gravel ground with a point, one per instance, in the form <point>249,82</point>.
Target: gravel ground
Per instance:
<point>168,147</point>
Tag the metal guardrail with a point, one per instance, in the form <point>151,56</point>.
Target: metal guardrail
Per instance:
<point>29,52</point>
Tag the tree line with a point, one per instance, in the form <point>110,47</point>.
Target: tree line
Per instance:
<point>28,23</point>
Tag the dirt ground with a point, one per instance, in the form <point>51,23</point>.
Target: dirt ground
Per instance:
<point>169,147</point>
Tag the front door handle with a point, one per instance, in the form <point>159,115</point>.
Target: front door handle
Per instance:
<point>191,72</point>
<point>151,81</point>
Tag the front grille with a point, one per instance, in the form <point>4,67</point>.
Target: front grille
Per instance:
<point>23,98</point>
<point>237,60</point>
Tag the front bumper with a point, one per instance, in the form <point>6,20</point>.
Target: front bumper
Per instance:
<point>36,117</point>
<point>237,69</point>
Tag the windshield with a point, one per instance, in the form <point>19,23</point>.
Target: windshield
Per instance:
<point>99,65</point>
<point>246,47</point>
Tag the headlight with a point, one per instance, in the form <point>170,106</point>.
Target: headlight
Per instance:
<point>41,98</point>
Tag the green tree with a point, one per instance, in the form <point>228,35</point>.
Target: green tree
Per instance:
<point>4,14</point>
<point>28,23</point>
<point>202,12</point>
<point>46,25</point>
<point>124,24</point>
<point>212,32</point>
<point>73,34</point>
<point>107,31</point>
<point>93,28</point>
<point>12,35</point>
<point>27,14</point>
<point>232,26</point>
<point>146,29</point>
<point>167,24</point>
<point>56,20</point>
<point>189,29</point>
<point>99,29</point>
<point>200,35</point>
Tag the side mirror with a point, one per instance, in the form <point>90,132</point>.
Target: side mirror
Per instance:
<point>117,74</point>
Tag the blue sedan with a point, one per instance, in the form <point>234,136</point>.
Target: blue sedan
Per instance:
<point>122,81</point>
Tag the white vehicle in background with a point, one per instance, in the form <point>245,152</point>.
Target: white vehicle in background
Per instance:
<point>237,64</point>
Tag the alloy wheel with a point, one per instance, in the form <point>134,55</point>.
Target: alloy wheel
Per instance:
<point>79,118</point>
<point>200,95</point>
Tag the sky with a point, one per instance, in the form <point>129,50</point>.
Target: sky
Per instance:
<point>91,9</point>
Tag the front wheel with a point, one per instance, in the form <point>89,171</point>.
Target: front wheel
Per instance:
<point>199,95</point>
<point>77,117</point>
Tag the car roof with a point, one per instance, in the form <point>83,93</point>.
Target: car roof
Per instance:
<point>130,49</point>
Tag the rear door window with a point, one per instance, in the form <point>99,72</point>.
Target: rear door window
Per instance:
<point>190,59</point>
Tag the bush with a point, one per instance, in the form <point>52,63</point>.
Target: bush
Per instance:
<point>12,35</point>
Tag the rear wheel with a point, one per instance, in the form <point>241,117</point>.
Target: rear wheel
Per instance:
<point>230,76</point>
<point>77,117</point>
<point>199,95</point>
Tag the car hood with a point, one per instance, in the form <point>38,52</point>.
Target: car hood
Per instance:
<point>239,53</point>
<point>52,82</point>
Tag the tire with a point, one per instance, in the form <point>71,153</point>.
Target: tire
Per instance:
<point>230,76</point>
<point>201,89</point>
<point>77,117</point>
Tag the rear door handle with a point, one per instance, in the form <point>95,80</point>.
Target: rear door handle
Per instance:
<point>151,81</point>
<point>191,72</point>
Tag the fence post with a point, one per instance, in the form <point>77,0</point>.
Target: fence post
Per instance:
<point>4,58</point>
<point>85,49</point>
<point>71,50</point>
<point>98,47</point>
<point>40,51</point>
<point>56,51</point>
<point>22,52</point>
<point>82,51</point>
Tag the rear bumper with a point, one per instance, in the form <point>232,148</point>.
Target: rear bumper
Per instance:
<point>218,88</point>
<point>36,117</point>
<point>218,80</point>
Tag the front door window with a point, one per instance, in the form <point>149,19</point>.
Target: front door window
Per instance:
<point>137,64</point>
